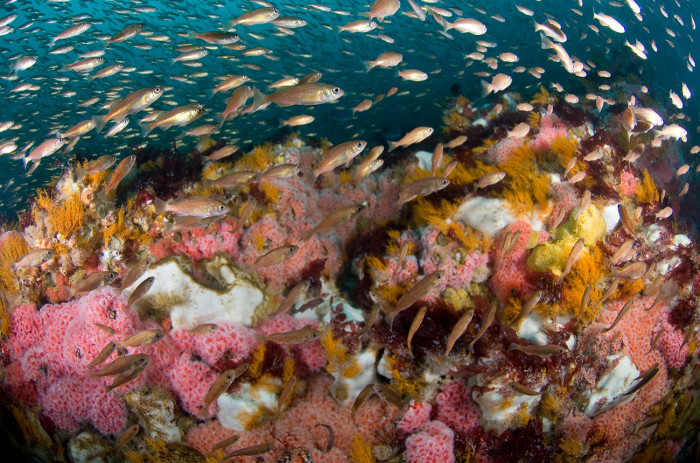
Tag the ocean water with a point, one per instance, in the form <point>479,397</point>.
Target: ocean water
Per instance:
<point>318,46</point>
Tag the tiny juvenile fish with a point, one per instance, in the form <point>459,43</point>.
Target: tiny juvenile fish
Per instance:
<point>257,16</point>
<point>307,305</point>
<point>34,258</point>
<point>220,385</point>
<point>240,178</point>
<point>142,339</point>
<point>105,328</point>
<point>361,398</point>
<point>140,291</point>
<point>225,443</point>
<point>370,320</point>
<point>458,330</point>
<point>198,206</point>
<point>127,435</point>
<point>489,179</point>
<point>245,213</point>
<point>293,295</point>
<point>522,389</point>
<point>98,165</point>
<point>421,187</point>
<point>301,94</point>
<point>122,364</point>
<point>128,375</point>
<point>644,378</point>
<point>417,320</point>
<point>414,136</point>
<point>331,436</point>
<point>455,142</point>
<point>286,394</point>
<point>277,255</point>
<point>304,334</point>
<point>338,155</point>
<point>280,171</point>
<point>631,271</point>
<point>621,314</point>
<point>417,292</point>
<point>221,153</point>
<point>403,252</point>
<point>103,354</point>
<point>250,451</point>
<point>546,350</point>
<point>571,260</point>
<point>93,281</point>
<point>119,172</point>
<point>485,324</point>
<point>527,308</point>
<point>204,328</point>
<point>334,219</point>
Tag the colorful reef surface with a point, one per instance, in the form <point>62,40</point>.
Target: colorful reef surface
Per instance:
<point>434,275</point>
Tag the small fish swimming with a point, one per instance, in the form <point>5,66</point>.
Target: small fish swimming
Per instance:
<point>421,187</point>
<point>277,255</point>
<point>195,206</point>
<point>304,334</point>
<point>416,135</point>
<point>417,292</point>
<point>334,219</point>
<point>546,350</point>
<point>127,435</point>
<point>142,339</point>
<point>220,385</point>
<point>122,364</point>
<point>34,258</point>
<point>458,330</point>
<point>253,450</point>
<point>140,291</point>
<point>485,324</point>
<point>415,324</point>
<point>338,155</point>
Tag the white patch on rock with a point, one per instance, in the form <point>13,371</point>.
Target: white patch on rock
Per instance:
<point>611,216</point>
<point>494,416</point>
<point>425,160</point>
<point>235,410</point>
<point>611,386</point>
<point>488,215</point>
<point>236,305</point>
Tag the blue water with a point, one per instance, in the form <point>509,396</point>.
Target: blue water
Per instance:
<point>317,47</point>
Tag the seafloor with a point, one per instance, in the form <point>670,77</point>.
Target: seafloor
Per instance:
<point>539,306</point>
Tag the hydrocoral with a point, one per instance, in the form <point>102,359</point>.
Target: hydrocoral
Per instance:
<point>434,443</point>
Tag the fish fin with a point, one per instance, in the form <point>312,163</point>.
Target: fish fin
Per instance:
<point>485,88</point>
<point>368,65</point>
<point>145,128</point>
<point>212,93</point>
<point>392,146</point>
<point>390,320</point>
<point>546,43</point>
<point>160,205</point>
<point>65,67</point>
<point>221,119</point>
<point>33,168</point>
<point>307,234</point>
<point>99,123</point>
<point>259,98</point>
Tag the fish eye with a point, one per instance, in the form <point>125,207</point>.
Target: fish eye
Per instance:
<point>359,144</point>
<point>112,275</point>
<point>275,10</point>
<point>444,182</point>
<point>336,90</point>
<point>156,90</point>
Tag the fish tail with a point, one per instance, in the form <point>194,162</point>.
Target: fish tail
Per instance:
<point>392,146</point>
<point>99,123</point>
<point>65,67</point>
<point>145,128</point>
<point>390,320</point>
<point>546,43</point>
<point>368,65</point>
<point>33,168</point>
<point>160,205</point>
<point>485,88</point>
<point>212,93</point>
<point>307,234</point>
<point>259,99</point>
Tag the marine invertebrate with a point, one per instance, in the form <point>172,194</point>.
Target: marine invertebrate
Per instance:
<point>432,444</point>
